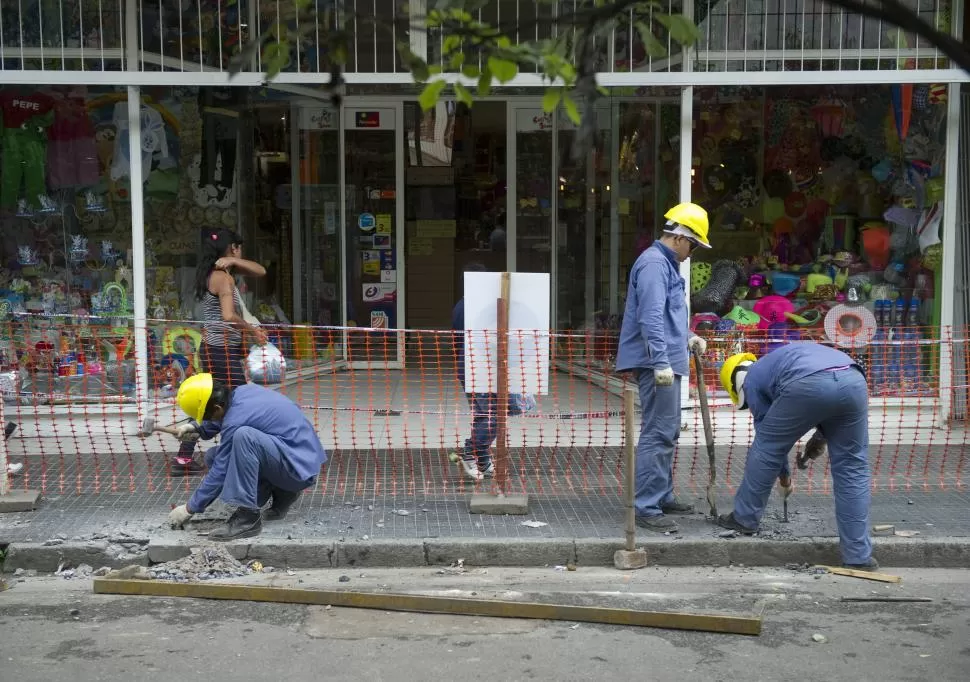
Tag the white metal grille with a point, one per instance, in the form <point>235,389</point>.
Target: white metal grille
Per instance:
<point>811,35</point>
<point>737,36</point>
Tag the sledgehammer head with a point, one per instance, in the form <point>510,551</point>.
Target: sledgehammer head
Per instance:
<point>626,560</point>
<point>147,427</point>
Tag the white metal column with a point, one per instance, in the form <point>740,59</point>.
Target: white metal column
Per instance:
<point>592,197</point>
<point>684,193</point>
<point>948,235</point>
<point>137,196</point>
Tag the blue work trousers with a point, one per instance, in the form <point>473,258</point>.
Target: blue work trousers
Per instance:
<point>659,432</point>
<point>837,402</point>
<point>484,428</point>
<point>258,466</point>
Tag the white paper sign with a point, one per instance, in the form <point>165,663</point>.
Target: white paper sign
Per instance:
<point>528,355</point>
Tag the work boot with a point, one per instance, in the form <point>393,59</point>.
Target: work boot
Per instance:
<point>244,523</point>
<point>190,468</point>
<point>675,506</point>
<point>8,430</point>
<point>728,521</point>
<point>282,501</point>
<point>871,565</point>
<point>658,523</point>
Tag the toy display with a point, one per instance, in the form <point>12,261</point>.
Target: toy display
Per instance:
<point>846,224</point>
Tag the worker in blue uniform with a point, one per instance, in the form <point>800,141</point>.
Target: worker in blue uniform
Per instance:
<point>790,391</point>
<point>654,345</point>
<point>269,451</point>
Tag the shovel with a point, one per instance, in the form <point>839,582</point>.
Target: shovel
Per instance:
<point>708,430</point>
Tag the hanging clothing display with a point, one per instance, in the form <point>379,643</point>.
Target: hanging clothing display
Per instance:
<point>153,141</point>
<point>72,156</point>
<point>26,119</point>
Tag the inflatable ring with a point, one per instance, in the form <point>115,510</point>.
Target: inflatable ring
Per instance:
<point>176,333</point>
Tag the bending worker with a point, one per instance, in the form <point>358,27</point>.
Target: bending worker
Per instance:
<point>654,344</point>
<point>268,452</point>
<point>789,391</point>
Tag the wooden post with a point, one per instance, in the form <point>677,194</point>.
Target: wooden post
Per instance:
<point>630,463</point>
<point>502,376</point>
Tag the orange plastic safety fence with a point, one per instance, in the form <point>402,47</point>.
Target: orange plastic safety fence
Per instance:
<point>391,407</point>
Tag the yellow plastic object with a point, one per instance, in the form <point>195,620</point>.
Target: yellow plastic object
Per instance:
<point>176,333</point>
<point>815,280</point>
<point>194,394</point>
<point>303,346</point>
<point>692,217</point>
<point>727,374</point>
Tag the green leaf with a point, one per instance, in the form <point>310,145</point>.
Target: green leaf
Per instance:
<point>572,111</point>
<point>503,69</point>
<point>653,46</point>
<point>430,94</point>
<point>680,27</point>
<point>463,94</point>
<point>470,71</point>
<point>485,83</point>
<point>550,100</point>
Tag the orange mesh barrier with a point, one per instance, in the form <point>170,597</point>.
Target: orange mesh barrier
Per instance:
<point>389,407</point>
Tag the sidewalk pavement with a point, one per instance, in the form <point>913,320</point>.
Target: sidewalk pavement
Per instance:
<point>369,515</point>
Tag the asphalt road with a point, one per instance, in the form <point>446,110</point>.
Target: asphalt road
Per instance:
<point>53,629</point>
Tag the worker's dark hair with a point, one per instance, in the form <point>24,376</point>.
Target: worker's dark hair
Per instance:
<point>475,266</point>
<point>219,398</point>
<point>215,245</point>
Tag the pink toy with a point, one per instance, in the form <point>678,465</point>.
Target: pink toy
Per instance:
<point>773,309</point>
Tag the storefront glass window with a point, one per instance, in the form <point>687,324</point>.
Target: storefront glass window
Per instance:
<point>583,225</point>
<point>533,190</point>
<point>825,208</point>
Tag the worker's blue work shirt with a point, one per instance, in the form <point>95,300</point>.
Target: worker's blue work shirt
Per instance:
<point>273,414</point>
<point>768,377</point>
<point>654,332</point>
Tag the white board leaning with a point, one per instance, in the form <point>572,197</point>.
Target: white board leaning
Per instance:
<point>528,357</point>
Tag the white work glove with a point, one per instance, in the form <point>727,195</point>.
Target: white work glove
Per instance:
<point>697,343</point>
<point>663,377</point>
<point>188,433</point>
<point>178,516</point>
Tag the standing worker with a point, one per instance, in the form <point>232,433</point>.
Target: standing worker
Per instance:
<point>654,344</point>
<point>789,391</point>
<point>268,451</point>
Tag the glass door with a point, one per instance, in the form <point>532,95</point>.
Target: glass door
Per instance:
<point>317,195</point>
<point>372,218</point>
<point>531,198</point>
<point>583,222</point>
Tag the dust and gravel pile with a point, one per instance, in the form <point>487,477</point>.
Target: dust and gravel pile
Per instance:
<point>204,563</point>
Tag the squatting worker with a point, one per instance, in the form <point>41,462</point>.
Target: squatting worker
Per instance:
<point>789,391</point>
<point>269,452</point>
<point>654,344</point>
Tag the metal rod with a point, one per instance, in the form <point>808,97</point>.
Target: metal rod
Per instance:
<point>419,603</point>
<point>502,391</point>
<point>630,462</point>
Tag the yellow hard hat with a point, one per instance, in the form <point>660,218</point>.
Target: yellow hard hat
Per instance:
<point>731,381</point>
<point>194,394</point>
<point>693,217</point>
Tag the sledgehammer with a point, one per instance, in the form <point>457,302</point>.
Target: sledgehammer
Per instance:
<point>148,427</point>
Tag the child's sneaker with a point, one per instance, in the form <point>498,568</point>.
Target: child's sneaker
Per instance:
<point>488,471</point>
<point>470,467</point>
